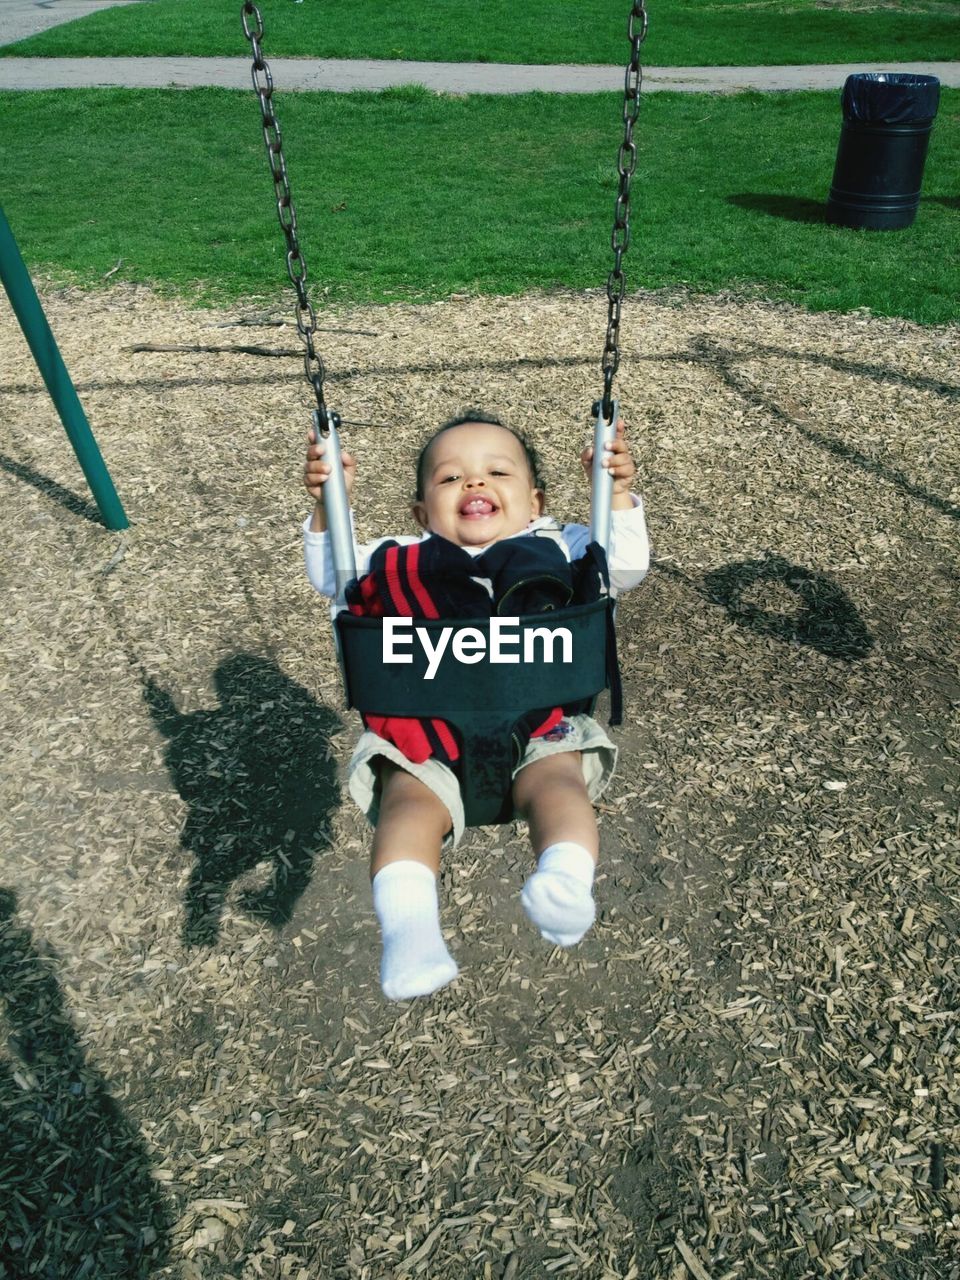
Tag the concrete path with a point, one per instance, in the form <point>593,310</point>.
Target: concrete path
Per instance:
<point>22,18</point>
<point>343,75</point>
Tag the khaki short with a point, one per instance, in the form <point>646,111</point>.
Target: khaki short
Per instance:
<point>575,733</point>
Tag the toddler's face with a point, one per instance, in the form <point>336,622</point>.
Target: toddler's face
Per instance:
<point>477,486</point>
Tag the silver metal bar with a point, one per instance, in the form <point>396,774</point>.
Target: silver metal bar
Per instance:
<point>337,507</point>
<point>601,479</point>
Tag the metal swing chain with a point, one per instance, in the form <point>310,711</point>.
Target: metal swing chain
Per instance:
<point>287,214</point>
<point>626,166</point>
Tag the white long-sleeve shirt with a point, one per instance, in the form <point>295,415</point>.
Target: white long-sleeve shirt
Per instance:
<point>628,555</point>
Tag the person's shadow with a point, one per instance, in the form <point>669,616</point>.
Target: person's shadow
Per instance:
<point>79,1198</point>
<point>260,778</point>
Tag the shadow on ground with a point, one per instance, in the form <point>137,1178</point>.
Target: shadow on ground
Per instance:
<point>826,618</point>
<point>723,362</point>
<point>876,372</point>
<point>260,778</point>
<point>800,209</point>
<point>793,208</point>
<point>816,613</point>
<point>79,1199</point>
<point>51,489</point>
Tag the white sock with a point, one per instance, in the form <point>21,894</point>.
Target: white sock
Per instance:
<point>558,897</point>
<point>415,958</point>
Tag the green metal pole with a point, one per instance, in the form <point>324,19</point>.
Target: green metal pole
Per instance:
<point>26,305</point>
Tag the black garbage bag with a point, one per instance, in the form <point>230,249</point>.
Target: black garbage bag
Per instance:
<point>886,97</point>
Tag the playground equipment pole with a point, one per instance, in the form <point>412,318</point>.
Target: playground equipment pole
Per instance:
<point>26,305</point>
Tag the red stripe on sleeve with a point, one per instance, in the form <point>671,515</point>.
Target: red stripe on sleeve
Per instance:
<point>401,605</point>
<point>416,583</point>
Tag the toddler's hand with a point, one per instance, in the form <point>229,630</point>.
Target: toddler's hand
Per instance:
<point>316,472</point>
<point>618,460</point>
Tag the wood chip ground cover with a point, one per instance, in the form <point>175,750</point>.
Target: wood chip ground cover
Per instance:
<point>749,1068</point>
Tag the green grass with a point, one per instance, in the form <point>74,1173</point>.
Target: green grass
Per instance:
<point>407,194</point>
<point>682,32</point>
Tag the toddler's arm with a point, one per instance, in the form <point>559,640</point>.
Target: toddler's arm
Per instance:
<point>628,556</point>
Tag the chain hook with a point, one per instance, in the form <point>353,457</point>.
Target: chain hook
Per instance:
<point>323,420</point>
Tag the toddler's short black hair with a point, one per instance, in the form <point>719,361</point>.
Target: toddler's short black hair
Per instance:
<point>480,415</point>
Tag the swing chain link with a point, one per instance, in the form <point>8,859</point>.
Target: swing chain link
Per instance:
<point>626,166</point>
<point>286,212</point>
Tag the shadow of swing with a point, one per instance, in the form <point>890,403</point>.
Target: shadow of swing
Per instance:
<point>259,773</point>
<point>260,779</point>
<point>826,619</point>
<point>722,361</point>
<point>335,377</point>
<point>79,1197</point>
<point>859,368</point>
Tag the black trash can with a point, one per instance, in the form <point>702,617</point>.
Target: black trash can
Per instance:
<point>887,119</point>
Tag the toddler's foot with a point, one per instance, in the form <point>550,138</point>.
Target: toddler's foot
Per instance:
<point>415,958</point>
<point>558,897</point>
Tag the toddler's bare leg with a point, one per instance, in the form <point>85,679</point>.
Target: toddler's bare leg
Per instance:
<point>412,821</point>
<point>552,796</point>
<point>403,867</point>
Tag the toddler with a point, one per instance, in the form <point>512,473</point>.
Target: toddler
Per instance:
<point>478,483</point>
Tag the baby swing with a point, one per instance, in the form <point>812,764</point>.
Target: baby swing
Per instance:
<point>485,705</point>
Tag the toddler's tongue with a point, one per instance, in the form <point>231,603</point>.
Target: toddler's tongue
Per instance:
<point>477,507</point>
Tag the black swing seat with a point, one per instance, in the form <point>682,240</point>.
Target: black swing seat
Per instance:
<point>484,699</point>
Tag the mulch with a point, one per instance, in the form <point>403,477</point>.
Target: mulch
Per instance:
<point>748,1069</point>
